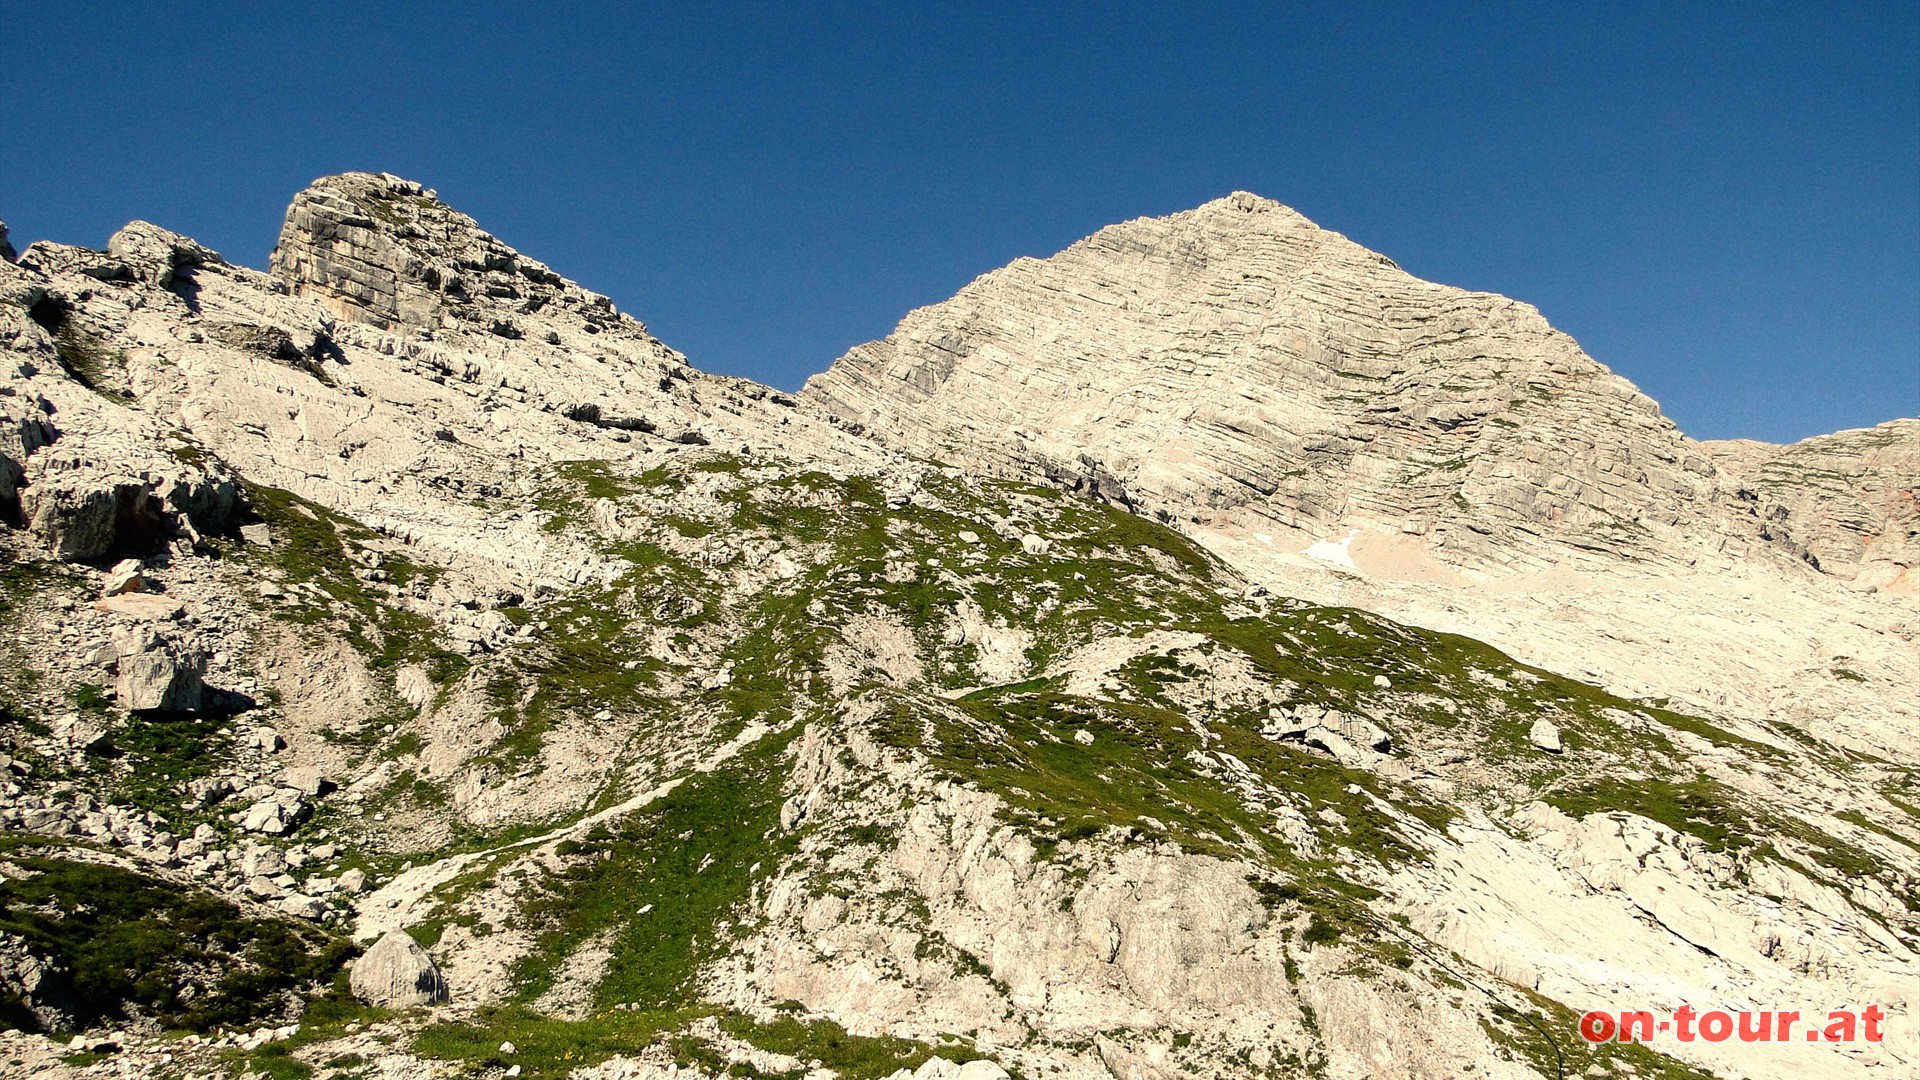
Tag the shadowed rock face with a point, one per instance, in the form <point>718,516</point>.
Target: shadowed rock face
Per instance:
<point>1237,363</point>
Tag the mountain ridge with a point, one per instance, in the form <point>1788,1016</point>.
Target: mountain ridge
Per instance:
<point>694,729</point>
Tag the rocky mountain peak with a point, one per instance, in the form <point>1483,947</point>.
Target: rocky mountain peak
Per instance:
<point>379,249</point>
<point>1246,202</point>
<point>1238,365</point>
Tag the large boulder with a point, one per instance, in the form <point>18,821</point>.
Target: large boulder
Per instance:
<point>127,576</point>
<point>85,510</point>
<point>275,815</point>
<point>1545,735</point>
<point>84,515</point>
<point>397,973</point>
<point>163,678</point>
<point>1338,733</point>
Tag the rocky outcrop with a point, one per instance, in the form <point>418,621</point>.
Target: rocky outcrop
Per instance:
<point>1848,502</point>
<point>37,985</point>
<point>88,510</point>
<point>155,370</point>
<point>84,471</point>
<point>385,251</point>
<point>396,973</point>
<point>159,255</point>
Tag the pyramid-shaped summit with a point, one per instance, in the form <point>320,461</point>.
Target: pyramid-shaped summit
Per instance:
<point>1237,364</point>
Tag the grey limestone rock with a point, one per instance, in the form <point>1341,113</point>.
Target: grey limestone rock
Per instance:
<point>396,973</point>
<point>164,678</point>
<point>157,254</point>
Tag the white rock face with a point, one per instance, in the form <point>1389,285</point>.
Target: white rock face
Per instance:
<point>1544,735</point>
<point>1846,500</point>
<point>1237,362</point>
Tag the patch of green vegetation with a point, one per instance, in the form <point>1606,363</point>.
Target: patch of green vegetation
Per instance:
<point>1714,734</point>
<point>92,698</point>
<point>1547,1037</point>
<point>852,1057</point>
<point>665,882</point>
<point>691,528</point>
<point>162,755</point>
<point>587,661</point>
<point>549,1048</point>
<point>403,744</point>
<point>90,362</point>
<point>24,580</point>
<point>188,452</point>
<point>575,483</point>
<point>274,1061</point>
<point>386,206</point>
<point>1721,818</point>
<point>1148,773</point>
<point>324,1019</point>
<point>1849,675</point>
<point>311,548</point>
<point>1106,530</point>
<point>1843,863</point>
<point>129,943</point>
<point>545,1047</point>
<point>418,790</point>
<point>1700,807</point>
<point>1905,807</point>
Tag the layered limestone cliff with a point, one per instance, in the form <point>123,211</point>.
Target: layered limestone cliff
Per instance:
<point>1850,501</point>
<point>1239,363</point>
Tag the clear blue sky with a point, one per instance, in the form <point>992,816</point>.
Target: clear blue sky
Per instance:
<point>1721,203</point>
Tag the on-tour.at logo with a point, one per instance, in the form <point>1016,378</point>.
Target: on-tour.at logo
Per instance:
<point>1685,1024</point>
